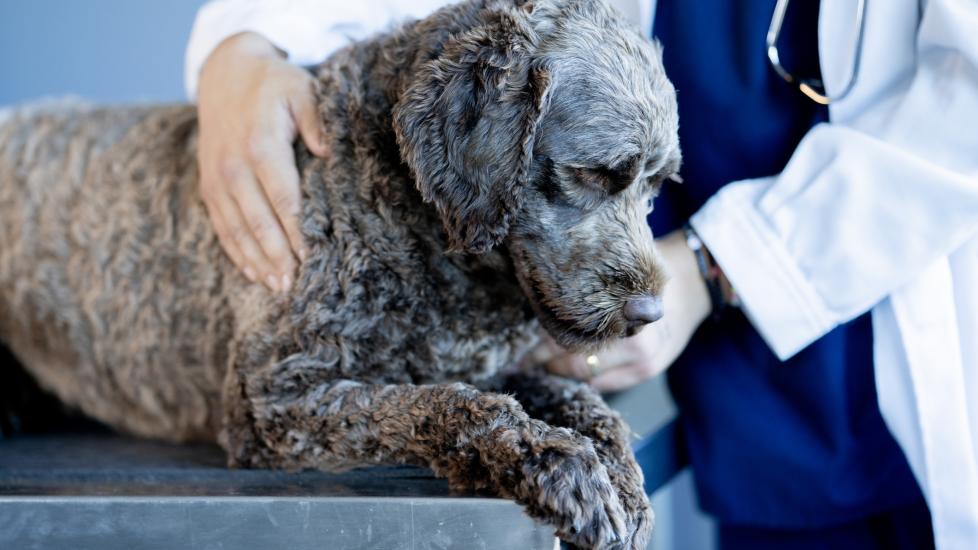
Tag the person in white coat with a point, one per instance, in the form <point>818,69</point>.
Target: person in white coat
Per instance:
<point>866,209</point>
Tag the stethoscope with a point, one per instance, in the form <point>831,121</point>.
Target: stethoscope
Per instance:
<point>813,87</point>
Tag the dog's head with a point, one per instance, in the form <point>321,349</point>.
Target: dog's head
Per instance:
<point>548,128</point>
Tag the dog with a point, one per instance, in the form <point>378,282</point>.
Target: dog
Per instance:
<point>490,172</point>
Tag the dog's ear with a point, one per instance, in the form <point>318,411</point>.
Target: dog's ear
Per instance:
<point>466,127</point>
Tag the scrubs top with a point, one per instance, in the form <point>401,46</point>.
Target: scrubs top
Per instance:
<point>798,444</point>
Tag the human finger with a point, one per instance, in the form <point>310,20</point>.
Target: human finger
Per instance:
<point>241,233</point>
<point>275,167</point>
<point>571,365</point>
<point>308,121</point>
<point>261,222</point>
<point>624,376</point>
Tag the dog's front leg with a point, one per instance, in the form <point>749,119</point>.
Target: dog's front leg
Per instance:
<point>298,417</point>
<point>561,401</point>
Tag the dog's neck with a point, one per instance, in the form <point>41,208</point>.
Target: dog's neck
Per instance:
<point>366,197</point>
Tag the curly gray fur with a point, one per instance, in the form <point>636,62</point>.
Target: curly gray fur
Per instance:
<point>489,170</point>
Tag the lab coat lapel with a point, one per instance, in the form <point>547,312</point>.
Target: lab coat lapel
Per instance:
<point>927,383</point>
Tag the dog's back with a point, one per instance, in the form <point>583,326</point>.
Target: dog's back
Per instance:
<point>101,237</point>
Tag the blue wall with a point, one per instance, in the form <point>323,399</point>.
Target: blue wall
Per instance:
<point>102,50</point>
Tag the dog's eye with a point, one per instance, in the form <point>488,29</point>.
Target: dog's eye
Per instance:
<point>591,179</point>
<point>601,179</point>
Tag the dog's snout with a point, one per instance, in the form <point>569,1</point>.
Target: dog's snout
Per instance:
<point>643,309</point>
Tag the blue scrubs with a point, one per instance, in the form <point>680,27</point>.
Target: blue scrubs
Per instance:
<point>781,452</point>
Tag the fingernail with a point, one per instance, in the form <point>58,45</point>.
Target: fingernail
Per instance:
<point>272,283</point>
<point>286,282</point>
<point>250,274</point>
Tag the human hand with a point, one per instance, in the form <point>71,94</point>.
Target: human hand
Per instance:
<point>252,104</point>
<point>648,353</point>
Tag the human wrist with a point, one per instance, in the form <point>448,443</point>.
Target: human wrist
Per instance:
<point>236,53</point>
<point>690,289</point>
<point>250,43</point>
<point>236,66</point>
<point>719,290</point>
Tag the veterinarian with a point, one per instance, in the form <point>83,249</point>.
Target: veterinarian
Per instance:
<point>823,240</point>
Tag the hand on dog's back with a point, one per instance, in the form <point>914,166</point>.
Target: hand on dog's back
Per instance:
<point>252,104</point>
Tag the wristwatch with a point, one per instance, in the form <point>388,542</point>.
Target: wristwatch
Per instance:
<point>722,294</point>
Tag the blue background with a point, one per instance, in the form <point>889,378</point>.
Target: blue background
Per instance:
<point>101,50</point>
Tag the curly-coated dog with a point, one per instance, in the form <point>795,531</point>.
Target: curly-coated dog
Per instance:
<point>490,171</point>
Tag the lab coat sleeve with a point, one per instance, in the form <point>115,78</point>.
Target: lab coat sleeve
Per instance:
<point>866,202</point>
<point>307,30</point>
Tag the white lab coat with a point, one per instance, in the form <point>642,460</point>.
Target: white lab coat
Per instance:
<point>876,210</point>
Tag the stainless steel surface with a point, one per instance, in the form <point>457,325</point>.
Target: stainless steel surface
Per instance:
<point>100,491</point>
<point>106,523</point>
<point>659,447</point>
<point>102,464</point>
<point>646,407</point>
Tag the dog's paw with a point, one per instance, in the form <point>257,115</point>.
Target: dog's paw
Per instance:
<point>568,487</point>
<point>627,479</point>
<point>610,436</point>
<point>640,520</point>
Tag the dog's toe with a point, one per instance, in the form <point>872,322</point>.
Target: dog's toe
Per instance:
<point>574,492</point>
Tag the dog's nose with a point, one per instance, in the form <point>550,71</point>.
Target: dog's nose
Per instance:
<point>643,309</point>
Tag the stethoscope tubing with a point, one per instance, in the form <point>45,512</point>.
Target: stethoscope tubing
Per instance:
<point>814,89</point>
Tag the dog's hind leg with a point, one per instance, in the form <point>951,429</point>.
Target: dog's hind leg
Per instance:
<point>301,418</point>
<point>560,401</point>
